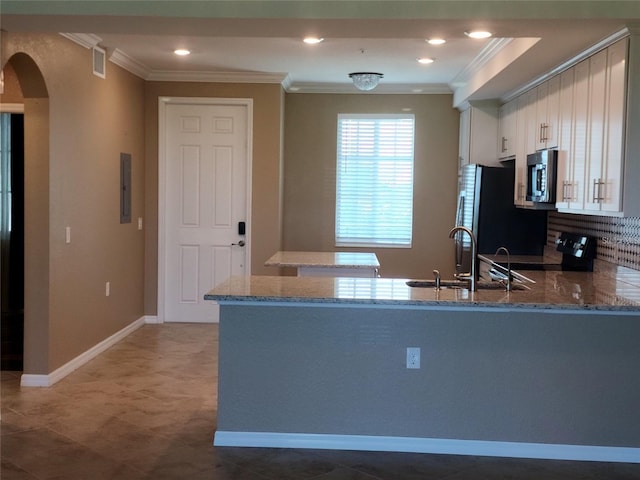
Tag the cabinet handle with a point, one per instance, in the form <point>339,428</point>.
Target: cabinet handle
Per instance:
<point>568,191</point>
<point>597,184</point>
<point>543,132</point>
<point>504,144</point>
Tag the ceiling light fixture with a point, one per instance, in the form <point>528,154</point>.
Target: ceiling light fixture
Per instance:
<point>181,52</point>
<point>312,40</point>
<point>478,34</point>
<point>425,60</point>
<point>436,41</point>
<point>365,80</point>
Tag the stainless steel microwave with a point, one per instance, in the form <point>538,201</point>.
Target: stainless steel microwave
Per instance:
<point>541,176</point>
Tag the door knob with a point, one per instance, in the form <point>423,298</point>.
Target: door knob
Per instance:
<point>240,243</point>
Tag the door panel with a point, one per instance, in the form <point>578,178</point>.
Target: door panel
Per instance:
<point>206,197</point>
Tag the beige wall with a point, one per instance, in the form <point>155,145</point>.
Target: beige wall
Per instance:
<point>309,176</point>
<point>89,122</point>
<point>267,158</point>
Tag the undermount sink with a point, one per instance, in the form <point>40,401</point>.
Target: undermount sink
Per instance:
<point>462,284</point>
<point>432,284</point>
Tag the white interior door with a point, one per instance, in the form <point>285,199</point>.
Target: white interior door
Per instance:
<point>206,200</point>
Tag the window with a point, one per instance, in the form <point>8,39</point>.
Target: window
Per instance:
<point>374,180</point>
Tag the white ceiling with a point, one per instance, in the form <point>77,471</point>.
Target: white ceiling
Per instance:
<point>251,45</point>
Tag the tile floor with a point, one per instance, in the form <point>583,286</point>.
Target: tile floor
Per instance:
<point>146,409</point>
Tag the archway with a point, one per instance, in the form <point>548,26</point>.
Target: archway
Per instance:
<point>35,99</point>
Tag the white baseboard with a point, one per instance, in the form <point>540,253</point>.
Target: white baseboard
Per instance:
<point>151,319</point>
<point>427,445</point>
<point>29,380</point>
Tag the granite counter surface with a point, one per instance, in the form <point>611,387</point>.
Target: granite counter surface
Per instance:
<point>324,259</point>
<point>609,288</point>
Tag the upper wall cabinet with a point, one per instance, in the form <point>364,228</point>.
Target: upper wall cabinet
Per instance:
<point>478,131</point>
<point>604,185</point>
<point>546,125</point>
<point>571,174</point>
<point>591,147</point>
<point>507,128</point>
<point>591,114</point>
<point>525,144</point>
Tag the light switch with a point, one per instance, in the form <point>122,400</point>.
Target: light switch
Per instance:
<point>67,235</point>
<point>139,223</point>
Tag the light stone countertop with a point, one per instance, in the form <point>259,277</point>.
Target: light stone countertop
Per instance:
<point>609,288</point>
<point>323,259</point>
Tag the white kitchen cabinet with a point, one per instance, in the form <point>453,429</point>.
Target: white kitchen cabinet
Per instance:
<point>593,117</point>
<point>478,131</point>
<point>607,101</point>
<point>591,153</point>
<point>597,113</point>
<point>525,144</point>
<point>574,138</point>
<point>507,129</point>
<point>477,136</point>
<point>546,126</point>
<point>570,177</point>
<point>464,139</point>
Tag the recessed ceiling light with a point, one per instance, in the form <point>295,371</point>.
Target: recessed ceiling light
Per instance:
<point>478,34</point>
<point>436,41</point>
<point>425,61</point>
<point>182,52</point>
<point>312,40</point>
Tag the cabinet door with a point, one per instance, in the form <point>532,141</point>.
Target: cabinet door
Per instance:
<point>507,120</point>
<point>546,133</point>
<point>541,115</point>
<point>464,139</point>
<point>595,193</point>
<point>614,127</point>
<point>526,126</point>
<point>565,191</point>
<point>483,133</point>
<point>580,134</point>
<point>551,130</point>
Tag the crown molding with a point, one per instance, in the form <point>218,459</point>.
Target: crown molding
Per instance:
<point>120,58</point>
<point>604,43</point>
<point>386,89</point>
<point>491,49</point>
<point>86,40</point>
<point>216,77</point>
<point>123,60</point>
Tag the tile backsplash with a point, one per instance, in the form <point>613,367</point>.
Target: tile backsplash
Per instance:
<point>618,238</point>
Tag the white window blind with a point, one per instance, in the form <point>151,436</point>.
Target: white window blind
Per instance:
<point>374,180</point>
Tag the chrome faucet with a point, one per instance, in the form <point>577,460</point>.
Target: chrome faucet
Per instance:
<point>436,273</point>
<point>508,284</point>
<point>472,275</point>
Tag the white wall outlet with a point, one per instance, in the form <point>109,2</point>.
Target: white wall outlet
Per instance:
<point>413,357</point>
<point>67,234</point>
<point>107,289</point>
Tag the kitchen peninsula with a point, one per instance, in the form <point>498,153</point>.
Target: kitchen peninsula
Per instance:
<point>549,372</point>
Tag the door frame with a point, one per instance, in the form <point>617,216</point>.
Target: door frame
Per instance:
<point>163,102</point>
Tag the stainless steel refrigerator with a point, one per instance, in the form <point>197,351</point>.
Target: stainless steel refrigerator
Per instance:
<point>485,205</point>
